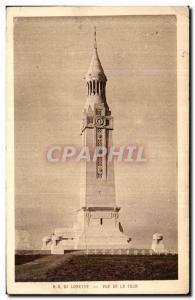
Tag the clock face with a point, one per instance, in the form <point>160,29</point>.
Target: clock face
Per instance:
<point>99,121</point>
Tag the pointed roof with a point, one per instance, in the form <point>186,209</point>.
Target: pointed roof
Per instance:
<point>95,70</point>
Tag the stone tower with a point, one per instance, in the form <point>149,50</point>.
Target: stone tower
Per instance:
<point>97,227</point>
<point>98,223</point>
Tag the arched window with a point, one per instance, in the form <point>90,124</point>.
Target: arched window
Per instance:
<point>101,91</point>
<point>98,87</point>
<point>94,87</point>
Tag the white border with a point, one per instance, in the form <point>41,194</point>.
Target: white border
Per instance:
<point>182,126</point>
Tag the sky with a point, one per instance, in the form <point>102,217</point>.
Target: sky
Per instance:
<point>51,58</point>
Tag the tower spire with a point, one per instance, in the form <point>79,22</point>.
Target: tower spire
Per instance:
<point>95,71</point>
<point>95,41</point>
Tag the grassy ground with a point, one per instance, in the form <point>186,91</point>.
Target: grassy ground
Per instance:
<point>76,267</point>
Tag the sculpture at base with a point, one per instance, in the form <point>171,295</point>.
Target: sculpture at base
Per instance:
<point>157,244</point>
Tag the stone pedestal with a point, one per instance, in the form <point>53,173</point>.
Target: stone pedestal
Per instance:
<point>98,228</point>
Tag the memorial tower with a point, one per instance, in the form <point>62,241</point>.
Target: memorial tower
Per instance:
<point>98,217</point>
<point>97,227</point>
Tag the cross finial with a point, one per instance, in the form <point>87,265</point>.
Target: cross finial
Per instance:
<point>95,42</point>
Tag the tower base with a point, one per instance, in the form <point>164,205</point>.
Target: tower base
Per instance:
<point>97,230</point>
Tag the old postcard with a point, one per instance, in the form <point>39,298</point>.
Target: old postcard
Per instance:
<point>97,150</point>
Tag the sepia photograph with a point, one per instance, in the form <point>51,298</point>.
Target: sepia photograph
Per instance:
<point>97,150</point>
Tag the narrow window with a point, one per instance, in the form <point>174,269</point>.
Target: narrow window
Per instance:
<point>90,87</point>
<point>87,88</point>
<point>94,87</point>
<point>101,221</point>
<point>103,89</point>
<point>98,87</point>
